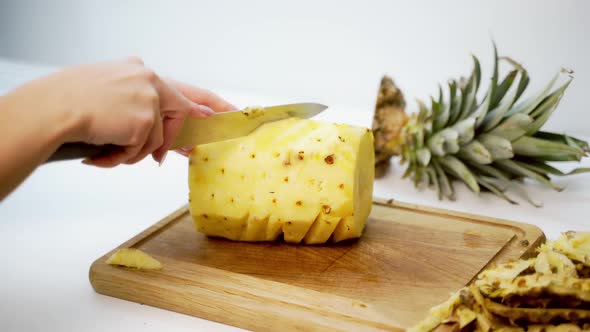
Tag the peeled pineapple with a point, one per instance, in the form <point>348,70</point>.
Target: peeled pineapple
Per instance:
<point>307,180</point>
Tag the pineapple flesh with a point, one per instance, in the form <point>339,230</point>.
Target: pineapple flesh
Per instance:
<point>135,258</point>
<point>309,181</point>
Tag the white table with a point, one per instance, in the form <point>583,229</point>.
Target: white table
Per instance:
<point>66,215</point>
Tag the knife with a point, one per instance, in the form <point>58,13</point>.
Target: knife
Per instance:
<point>217,127</point>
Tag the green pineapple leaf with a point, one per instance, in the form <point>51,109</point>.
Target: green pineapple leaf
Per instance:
<point>489,144</point>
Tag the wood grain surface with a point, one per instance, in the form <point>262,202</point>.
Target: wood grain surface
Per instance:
<point>409,259</point>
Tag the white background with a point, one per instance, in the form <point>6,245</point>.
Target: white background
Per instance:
<point>254,52</point>
<point>330,51</point>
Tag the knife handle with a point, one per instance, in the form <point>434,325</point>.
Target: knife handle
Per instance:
<point>70,151</point>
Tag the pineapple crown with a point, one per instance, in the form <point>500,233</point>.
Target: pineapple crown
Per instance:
<point>489,143</point>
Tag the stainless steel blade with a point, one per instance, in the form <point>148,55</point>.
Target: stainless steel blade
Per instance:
<point>228,125</point>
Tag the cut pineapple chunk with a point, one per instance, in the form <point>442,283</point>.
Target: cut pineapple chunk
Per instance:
<point>307,180</point>
<point>134,258</point>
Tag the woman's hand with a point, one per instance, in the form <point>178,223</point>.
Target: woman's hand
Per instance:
<point>122,103</point>
<point>173,125</point>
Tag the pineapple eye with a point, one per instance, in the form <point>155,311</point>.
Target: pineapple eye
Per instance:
<point>341,139</point>
<point>329,159</point>
<point>253,156</point>
<point>286,179</point>
<point>287,161</point>
<point>298,203</point>
<point>301,155</point>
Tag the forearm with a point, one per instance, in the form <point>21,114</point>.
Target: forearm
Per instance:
<point>30,132</point>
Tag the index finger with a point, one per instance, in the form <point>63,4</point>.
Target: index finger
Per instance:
<point>171,101</point>
<point>203,96</point>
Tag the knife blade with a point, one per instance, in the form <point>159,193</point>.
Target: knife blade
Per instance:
<point>217,127</point>
<point>228,125</point>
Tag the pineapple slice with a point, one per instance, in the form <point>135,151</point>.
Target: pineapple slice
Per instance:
<point>134,258</point>
<point>308,180</point>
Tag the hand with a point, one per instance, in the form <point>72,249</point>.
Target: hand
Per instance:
<point>126,104</point>
<point>173,125</point>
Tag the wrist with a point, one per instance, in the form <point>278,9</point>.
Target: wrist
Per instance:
<point>68,126</point>
<point>38,112</point>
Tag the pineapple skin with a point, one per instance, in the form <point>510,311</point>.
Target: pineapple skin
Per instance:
<point>310,181</point>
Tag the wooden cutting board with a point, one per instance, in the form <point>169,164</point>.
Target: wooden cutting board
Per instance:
<point>409,259</point>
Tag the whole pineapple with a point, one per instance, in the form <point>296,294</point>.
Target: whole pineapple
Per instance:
<point>485,144</point>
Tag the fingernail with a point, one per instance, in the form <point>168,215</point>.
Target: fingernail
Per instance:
<point>204,109</point>
<point>163,158</point>
<point>187,149</point>
<point>87,161</point>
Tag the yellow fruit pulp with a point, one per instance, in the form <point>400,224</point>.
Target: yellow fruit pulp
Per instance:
<point>310,181</point>
<point>134,258</point>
